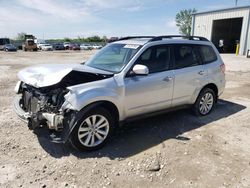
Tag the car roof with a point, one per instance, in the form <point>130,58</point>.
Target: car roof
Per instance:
<point>163,39</point>
<point>138,41</point>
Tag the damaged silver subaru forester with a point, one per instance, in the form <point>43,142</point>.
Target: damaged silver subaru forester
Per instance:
<point>129,78</point>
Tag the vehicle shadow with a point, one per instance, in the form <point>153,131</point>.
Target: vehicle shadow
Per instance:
<point>141,135</point>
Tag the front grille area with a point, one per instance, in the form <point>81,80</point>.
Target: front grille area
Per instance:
<point>30,103</point>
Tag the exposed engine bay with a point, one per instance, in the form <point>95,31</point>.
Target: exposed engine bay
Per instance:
<point>39,102</point>
<point>43,105</point>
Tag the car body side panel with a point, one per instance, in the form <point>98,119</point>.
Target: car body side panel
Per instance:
<point>148,93</point>
<point>187,83</point>
<point>82,95</point>
<point>216,76</point>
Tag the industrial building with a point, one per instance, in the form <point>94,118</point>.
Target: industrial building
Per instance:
<point>225,28</point>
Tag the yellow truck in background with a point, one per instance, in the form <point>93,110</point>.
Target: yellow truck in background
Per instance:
<point>29,43</point>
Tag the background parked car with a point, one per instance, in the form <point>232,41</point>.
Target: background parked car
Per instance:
<point>58,46</point>
<point>46,47</point>
<point>9,47</point>
<point>66,45</point>
<point>86,47</point>
<point>4,41</point>
<point>96,46</point>
<point>39,45</point>
<point>74,47</point>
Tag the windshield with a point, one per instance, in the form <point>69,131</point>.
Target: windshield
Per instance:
<point>113,57</point>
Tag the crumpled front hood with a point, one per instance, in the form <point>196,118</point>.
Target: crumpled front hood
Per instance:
<point>50,74</point>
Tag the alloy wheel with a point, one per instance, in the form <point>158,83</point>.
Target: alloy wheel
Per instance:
<point>206,103</point>
<point>93,131</point>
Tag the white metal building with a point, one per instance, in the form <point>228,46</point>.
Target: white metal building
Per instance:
<point>226,26</point>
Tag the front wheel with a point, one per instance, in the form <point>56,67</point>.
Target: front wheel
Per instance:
<point>204,102</point>
<point>93,129</point>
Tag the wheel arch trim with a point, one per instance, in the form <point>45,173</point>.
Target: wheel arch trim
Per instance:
<point>212,86</point>
<point>102,103</point>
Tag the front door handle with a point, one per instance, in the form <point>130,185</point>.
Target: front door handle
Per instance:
<point>168,78</point>
<point>201,72</point>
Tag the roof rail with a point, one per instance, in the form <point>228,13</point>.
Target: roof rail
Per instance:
<point>178,36</point>
<point>135,37</point>
<point>157,38</point>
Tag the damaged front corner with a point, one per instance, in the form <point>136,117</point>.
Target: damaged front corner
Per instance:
<point>68,103</point>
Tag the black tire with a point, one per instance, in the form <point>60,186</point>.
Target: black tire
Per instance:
<point>77,142</point>
<point>197,105</point>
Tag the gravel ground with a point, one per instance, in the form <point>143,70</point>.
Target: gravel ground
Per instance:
<point>172,150</point>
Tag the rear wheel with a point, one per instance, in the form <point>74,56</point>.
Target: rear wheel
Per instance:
<point>93,129</point>
<point>205,102</point>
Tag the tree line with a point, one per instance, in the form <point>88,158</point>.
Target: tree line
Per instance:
<point>21,37</point>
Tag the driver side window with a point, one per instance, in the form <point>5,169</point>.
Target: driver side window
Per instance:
<point>156,58</point>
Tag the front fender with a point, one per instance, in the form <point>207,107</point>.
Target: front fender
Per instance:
<point>78,100</point>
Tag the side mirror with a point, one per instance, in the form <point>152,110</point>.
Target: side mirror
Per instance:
<point>140,70</point>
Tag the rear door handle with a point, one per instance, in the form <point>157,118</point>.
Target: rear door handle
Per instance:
<point>168,78</point>
<point>201,72</point>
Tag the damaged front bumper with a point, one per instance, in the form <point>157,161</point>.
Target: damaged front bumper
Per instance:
<point>54,122</point>
<point>24,116</point>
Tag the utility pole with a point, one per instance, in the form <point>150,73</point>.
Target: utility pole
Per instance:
<point>236,3</point>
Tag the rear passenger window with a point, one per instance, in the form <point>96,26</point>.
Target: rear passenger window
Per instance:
<point>207,54</point>
<point>185,56</point>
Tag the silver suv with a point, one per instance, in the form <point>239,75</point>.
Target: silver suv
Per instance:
<point>129,78</point>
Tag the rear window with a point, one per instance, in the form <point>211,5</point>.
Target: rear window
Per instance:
<point>207,54</point>
<point>185,56</point>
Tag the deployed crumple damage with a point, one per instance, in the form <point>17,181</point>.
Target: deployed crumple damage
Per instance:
<point>51,74</point>
<point>44,88</point>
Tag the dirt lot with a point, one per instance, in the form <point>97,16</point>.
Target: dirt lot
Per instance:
<point>172,150</point>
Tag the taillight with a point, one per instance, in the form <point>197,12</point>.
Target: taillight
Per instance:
<point>223,68</point>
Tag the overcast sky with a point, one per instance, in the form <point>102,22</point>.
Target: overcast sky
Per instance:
<point>68,18</point>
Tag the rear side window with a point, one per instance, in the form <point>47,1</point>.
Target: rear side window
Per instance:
<point>185,56</point>
<point>207,54</point>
